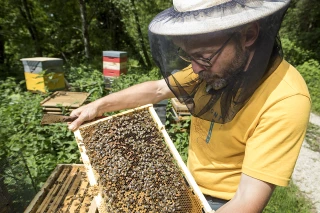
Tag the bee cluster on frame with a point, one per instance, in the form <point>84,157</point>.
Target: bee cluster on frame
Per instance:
<point>136,169</point>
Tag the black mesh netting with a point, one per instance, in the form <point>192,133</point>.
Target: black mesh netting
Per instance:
<point>212,103</point>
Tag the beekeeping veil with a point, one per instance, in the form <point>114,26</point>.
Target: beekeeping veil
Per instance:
<point>192,20</point>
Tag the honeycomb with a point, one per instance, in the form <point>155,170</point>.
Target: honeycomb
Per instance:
<point>136,170</point>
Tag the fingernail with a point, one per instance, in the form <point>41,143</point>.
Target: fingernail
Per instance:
<point>71,127</point>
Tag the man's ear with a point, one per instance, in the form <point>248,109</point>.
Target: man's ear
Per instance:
<point>250,34</point>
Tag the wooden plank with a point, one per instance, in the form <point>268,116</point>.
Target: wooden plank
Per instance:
<point>66,99</point>
<point>56,113</point>
<point>48,98</point>
<point>60,195</point>
<point>53,191</point>
<point>57,109</point>
<point>93,207</point>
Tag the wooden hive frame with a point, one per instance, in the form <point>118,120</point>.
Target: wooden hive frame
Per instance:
<point>93,176</point>
<point>66,190</point>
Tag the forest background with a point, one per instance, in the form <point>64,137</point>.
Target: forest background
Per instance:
<point>78,31</point>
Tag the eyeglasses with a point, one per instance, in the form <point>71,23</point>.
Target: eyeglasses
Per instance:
<point>202,61</point>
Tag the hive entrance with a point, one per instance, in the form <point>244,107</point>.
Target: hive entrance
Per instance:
<point>135,170</point>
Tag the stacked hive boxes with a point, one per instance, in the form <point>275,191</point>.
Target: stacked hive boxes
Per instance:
<point>114,64</point>
<point>43,74</point>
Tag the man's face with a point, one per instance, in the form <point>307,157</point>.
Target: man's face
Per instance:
<point>226,54</point>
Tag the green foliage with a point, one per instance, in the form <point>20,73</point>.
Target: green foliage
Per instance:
<point>26,147</point>
<point>136,16</point>
<point>301,25</point>
<point>294,54</point>
<point>86,79</point>
<point>136,75</point>
<point>288,200</point>
<point>308,67</point>
<point>54,29</point>
<point>313,137</point>
<point>178,132</point>
<point>310,70</point>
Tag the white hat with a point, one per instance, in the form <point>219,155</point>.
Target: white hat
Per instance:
<point>188,17</point>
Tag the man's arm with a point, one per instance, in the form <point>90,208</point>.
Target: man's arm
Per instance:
<point>137,95</point>
<point>251,197</point>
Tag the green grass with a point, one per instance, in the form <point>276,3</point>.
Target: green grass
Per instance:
<point>288,200</point>
<point>313,137</point>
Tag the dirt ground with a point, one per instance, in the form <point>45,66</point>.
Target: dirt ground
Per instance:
<point>307,171</point>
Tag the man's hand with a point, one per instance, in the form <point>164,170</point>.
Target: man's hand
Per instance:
<point>84,113</point>
<point>251,197</point>
<point>137,95</point>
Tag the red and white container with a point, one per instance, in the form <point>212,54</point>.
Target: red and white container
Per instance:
<point>114,63</point>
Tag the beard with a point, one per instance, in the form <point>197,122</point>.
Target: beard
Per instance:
<point>237,65</point>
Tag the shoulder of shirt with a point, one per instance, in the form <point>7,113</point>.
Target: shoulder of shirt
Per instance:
<point>287,80</point>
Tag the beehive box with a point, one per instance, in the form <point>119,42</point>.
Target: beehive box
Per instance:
<point>136,167</point>
<point>43,73</point>
<point>180,108</point>
<point>114,63</point>
<point>180,111</point>
<point>66,190</point>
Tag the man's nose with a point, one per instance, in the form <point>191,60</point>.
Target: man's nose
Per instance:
<point>197,67</point>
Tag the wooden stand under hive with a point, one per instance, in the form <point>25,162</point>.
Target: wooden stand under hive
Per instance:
<point>136,167</point>
<point>66,190</point>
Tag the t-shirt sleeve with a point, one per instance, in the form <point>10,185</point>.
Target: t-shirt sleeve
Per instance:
<point>273,148</point>
<point>183,82</point>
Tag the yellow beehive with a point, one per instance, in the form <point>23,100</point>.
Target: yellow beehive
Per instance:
<point>43,74</point>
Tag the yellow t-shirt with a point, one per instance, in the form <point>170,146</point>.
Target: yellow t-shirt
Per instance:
<point>262,141</point>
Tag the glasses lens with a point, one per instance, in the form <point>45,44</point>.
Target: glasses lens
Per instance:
<point>204,62</point>
<point>184,56</point>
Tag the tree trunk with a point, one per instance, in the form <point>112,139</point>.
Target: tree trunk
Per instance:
<point>142,43</point>
<point>25,12</point>
<point>85,32</point>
